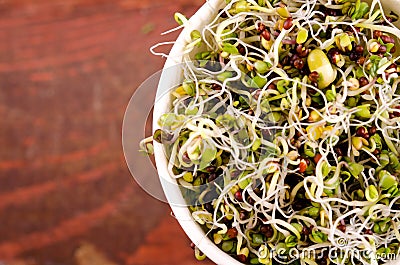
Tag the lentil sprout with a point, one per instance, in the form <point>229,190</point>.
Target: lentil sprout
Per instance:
<point>293,140</point>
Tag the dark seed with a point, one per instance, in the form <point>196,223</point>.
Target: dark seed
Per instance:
<point>271,86</point>
<point>302,52</point>
<point>263,229</point>
<point>257,191</point>
<point>288,23</point>
<point>304,70</point>
<point>185,158</point>
<point>238,196</point>
<point>203,176</point>
<point>212,177</point>
<point>396,113</point>
<point>299,205</point>
<point>232,232</point>
<point>241,49</point>
<point>332,55</point>
<point>361,131</point>
<point>261,27</point>
<point>285,61</point>
<point>306,231</point>
<point>314,84</point>
<point>382,49</point>
<point>313,76</point>
<point>266,35</point>
<point>363,81</point>
<point>251,201</point>
<point>332,12</point>
<point>338,151</point>
<point>377,34</point>
<point>294,58</point>
<point>342,228</point>
<point>223,14</point>
<point>209,208</point>
<point>359,49</point>
<point>353,56</point>
<point>391,19</point>
<point>216,87</point>
<point>361,60</point>
<point>242,258</point>
<point>257,94</point>
<point>298,64</point>
<point>387,39</point>
<point>299,48</point>
<point>267,230</point>
<point>242,215</point>
<point>376,152</point>
<point>368,232</point>
<point>211,169</point>
<point>372,130</point>
<point>266,133</point>
<point>226,220</point>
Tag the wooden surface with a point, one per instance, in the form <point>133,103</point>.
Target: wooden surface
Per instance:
<point>67,71</point>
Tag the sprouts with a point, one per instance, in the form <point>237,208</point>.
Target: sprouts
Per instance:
<point>284,134</point>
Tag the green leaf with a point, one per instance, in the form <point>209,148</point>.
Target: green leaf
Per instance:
<point>258,82</point>
<point>229,48</point>
<point>326,169</point>
<point>256,145</point>
<point>258,239</point>
<point>170,120</point>
<point>244,183</point>
<point>355,169</point>
<point>313,212</point>
<point>371,193</point>
<point>207,155</point>
<point>261,66</point>
<point>223,76</point>
<point>195,34</point>
<point>386,180</point>
<point>363,111</point>
<point>226,120</point>
<point>377,139</point>
<point>189,87</point>
<point>180,19</point>
<point>394,162</point>
<point>188,177</point>
<point>330,95</point>
<point>291,241</point>
<point>281,86</point>
<point>302,36</point>
<point>319,237</point>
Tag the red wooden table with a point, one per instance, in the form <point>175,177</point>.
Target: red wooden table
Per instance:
<point>67,71</point>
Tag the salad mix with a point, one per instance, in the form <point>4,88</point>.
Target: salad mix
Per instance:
<point>284,134</point>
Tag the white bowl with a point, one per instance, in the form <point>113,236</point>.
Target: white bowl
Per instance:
<point>170,77</point>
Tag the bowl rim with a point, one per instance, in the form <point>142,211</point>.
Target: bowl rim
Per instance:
<point>172,192</point>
